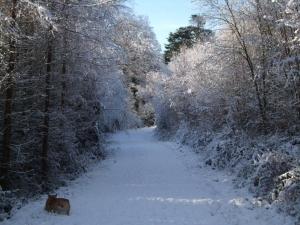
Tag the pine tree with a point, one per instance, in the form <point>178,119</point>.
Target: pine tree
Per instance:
<point>186,37</point>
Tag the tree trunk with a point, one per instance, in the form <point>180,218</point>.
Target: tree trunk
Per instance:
<point>63,86</point>
<point>47,107</point>
<point>64,66</point>
<point>260,98</point>
<point>5,157</point>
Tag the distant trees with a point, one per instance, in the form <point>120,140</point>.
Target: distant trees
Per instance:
<point>64,82</point>
<point>142,57</point>
<point>186,37</point>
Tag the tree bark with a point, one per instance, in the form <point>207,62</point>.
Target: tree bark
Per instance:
<point>63,85</point>
<point>64,66</point>
<point>5,157</point>
<point>47,107</point>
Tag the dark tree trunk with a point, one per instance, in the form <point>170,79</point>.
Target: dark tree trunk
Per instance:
<point>5,156</point>
<point>47,107</point>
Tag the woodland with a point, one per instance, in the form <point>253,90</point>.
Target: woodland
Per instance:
<point>68,74</point>
<point>73,71</point>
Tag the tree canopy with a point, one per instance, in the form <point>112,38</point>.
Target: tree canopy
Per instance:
<point>186,37</point>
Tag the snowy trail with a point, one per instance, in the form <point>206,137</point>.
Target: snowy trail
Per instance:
<point>148,182</point>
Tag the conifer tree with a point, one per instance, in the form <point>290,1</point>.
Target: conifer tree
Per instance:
<point>186,37</point>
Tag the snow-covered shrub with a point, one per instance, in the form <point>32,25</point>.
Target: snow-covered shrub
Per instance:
<point>167,123</point>
<point>269,166</point>
<point>6,203</point>
<point>147,114</point>
<point>287,191</point>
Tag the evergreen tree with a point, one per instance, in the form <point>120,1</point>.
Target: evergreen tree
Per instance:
<point>186,37</point>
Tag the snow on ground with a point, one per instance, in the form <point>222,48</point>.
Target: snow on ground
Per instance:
<point>150,182</point>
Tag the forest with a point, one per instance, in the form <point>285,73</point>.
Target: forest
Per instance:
<point>69,71</point>
<point>73,71</point>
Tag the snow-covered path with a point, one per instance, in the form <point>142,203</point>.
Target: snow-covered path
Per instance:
<point>149,182</point>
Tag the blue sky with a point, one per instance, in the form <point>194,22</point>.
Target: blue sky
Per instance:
<point>165,16</point>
